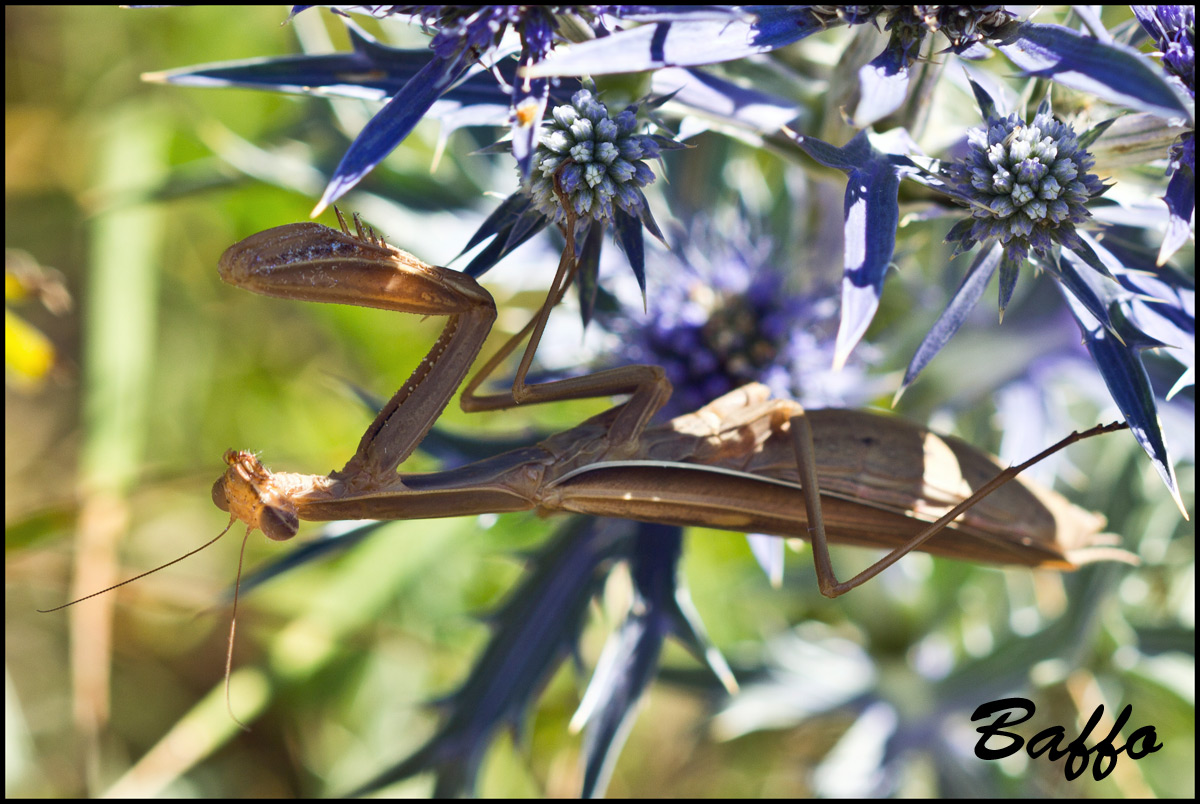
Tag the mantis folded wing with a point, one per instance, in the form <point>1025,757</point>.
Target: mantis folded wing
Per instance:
<point>742,462</point>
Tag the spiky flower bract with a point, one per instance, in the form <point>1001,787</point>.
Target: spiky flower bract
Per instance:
<point>1027,184</point>
<point>482,27</point>
<point>1174,31</point>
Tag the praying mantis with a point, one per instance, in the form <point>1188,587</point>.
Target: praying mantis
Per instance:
<point>744,462</point>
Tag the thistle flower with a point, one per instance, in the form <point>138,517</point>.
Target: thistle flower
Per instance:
<point>723,317</point>
<point>1027,185</point>
<point>962,25</point>
<point>481,28</point>
<point>597,159</point>
<point>1174,31</point>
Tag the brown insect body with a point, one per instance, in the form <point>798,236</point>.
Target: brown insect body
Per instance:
<point>743,462</point>
<point>731,466</point>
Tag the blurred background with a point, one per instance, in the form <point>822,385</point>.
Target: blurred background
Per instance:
<point>131,368</point>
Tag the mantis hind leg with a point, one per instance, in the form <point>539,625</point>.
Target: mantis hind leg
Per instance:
<point>806,466</point>
<point>802,444</point>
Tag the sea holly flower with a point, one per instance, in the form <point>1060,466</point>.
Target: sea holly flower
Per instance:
<point>695,36</point>
<point>1027,185</point>
<point>468,41</point>
<point>598,159</point>
<point>723,316</point>
<point>1173,29</point>
<point>464,35</point>
<point>597,162</point>
<point>595,159</point>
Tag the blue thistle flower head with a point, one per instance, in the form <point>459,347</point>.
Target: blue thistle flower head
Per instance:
<point>480,28</point>
<point>723,317</point>
<point>964,26</point>
<point>597,158</point>
<point>1027,184</point>
<point>1174,31</point>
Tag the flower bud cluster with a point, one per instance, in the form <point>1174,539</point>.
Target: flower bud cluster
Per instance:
<point>597,160</point>
<point>1027,183</point>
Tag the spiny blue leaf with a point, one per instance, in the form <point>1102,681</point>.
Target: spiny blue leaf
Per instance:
<point>969,291</point>
<point>883,83</point>
<point>391,125</point>
<point>1125,375</point>
<point>1009,271</point>
<point>629,232</point>
<point>1112,71</point>
<point>587,275</point>
<point>871,213</point>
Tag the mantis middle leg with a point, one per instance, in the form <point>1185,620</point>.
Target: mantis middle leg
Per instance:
<point>648,385</point>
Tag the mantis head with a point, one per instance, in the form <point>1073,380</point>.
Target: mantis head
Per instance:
<point>246,492</point>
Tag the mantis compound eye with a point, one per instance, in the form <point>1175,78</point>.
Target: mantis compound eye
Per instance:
<point>218,495</point>
<point>277,523</point>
